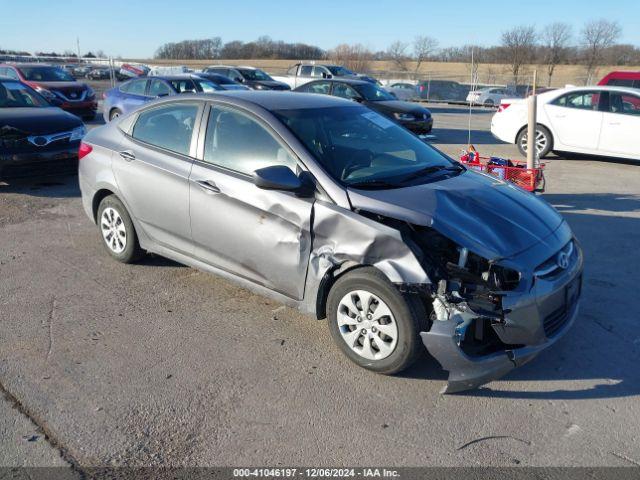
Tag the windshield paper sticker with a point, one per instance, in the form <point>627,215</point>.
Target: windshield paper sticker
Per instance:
<point>379,120</point>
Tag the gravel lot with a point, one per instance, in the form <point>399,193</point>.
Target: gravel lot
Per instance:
<point>159,364</point>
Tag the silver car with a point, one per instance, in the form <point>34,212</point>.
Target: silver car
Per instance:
<point>336,210</point>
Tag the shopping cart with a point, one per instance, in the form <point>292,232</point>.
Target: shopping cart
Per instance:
<point>514,171</point>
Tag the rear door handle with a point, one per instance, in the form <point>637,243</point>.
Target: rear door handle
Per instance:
<point>208,185</point>
<point>561,116</point>
<point>614,123</point>
<point>128,155</point>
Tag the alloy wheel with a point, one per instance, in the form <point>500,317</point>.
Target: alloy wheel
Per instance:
<point>541,141</point>
<point>367,325</point>
<point>113,230</point>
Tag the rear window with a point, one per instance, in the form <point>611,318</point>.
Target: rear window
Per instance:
<point>169,127</point>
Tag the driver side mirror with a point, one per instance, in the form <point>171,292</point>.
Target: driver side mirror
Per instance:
<point>280,177</point>
<point>326,75</point>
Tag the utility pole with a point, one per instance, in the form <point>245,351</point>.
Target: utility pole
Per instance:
<point>78,45</point>
<point>532,152</point>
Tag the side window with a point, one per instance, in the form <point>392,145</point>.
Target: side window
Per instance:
<point>183,86</point>
<point>234,75</point>
<point>318,71</point>
<point>158,88</point>
<point>169,127</point>
<point>624,103</point>
<point>345,91</point>
<point>238,142</point>
<point>580,100</point>
<point>137,87</point>
<point>319,87</point>
<point>620,82</point>
<point>305,70</point>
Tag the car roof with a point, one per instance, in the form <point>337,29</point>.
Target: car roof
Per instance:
<point>246,67</point>
<point>183,76</point>
<point>269,100</point>
<point>598,88</point>
<point>350,81</point>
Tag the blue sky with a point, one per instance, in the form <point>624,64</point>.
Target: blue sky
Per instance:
<point>135,29</point>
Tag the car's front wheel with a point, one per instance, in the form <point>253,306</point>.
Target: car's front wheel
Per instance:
<point>118,233</point>
<point>544,141</point>
<point>374,324</point>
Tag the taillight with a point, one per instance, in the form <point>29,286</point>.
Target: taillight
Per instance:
<point>84,150</point>
<point>503,107</point>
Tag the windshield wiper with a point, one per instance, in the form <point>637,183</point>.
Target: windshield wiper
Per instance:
<point>366,184</point>
<point>432,169</point>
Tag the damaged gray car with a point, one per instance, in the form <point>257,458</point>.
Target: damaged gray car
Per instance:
<point>331,208</point>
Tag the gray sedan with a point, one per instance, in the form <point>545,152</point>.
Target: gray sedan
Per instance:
<point>336,210</point>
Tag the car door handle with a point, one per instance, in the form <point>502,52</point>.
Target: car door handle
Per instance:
<point>614,123</point>
<point>208,185</point>
<point>561,116</point>
<point>128,155</point>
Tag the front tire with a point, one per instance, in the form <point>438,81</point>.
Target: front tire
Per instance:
<point>117,231</point>
<point>375,326</point>
<point>544,141</point>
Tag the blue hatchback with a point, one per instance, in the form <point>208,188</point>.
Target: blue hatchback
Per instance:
<point>135,93</point>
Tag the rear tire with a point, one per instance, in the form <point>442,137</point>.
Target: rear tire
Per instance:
<point>544,141</point>
<point>375,325</point>
<point>489,103</point>
<point>117,231</point>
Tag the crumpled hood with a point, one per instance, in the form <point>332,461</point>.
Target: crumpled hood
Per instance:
<point>490,217</point>
<point>38,121</point>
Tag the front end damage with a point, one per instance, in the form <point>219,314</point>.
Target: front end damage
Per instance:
<point>491,316</point>
<point>487,316</point>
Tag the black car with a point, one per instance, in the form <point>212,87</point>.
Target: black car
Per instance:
<point>35,137</point>
<point>410,115</point>
<point>253,78</point>
<point>442,90</point>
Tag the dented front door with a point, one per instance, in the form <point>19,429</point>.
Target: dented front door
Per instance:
<point>261,235</point>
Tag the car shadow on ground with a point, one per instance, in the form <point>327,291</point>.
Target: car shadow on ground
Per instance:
<point>51,186</point>
<point>593,158</point>
<point>462,110</point>
<point>452,136</point>
<point>597,358</point>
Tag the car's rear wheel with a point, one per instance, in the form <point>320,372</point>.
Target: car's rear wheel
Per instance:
<point>118,233</point>
<point>489,103</point>
<point>544,141</point>
<point>375,325</point>
<point>115,113</point>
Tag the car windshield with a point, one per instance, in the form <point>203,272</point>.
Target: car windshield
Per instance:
<point>340,71</point>
<point>373,93</point>
<point>362,149</point>
<point>45,74</point>
<point>254,74</point>
<point>17,95</point>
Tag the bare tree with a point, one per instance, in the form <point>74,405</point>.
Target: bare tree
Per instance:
<point>355,57</point>
<point>555,38</point>
<point>597,36</point>
<point>518,45</point>
<point>423,48</point>
<point>397,53</point>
